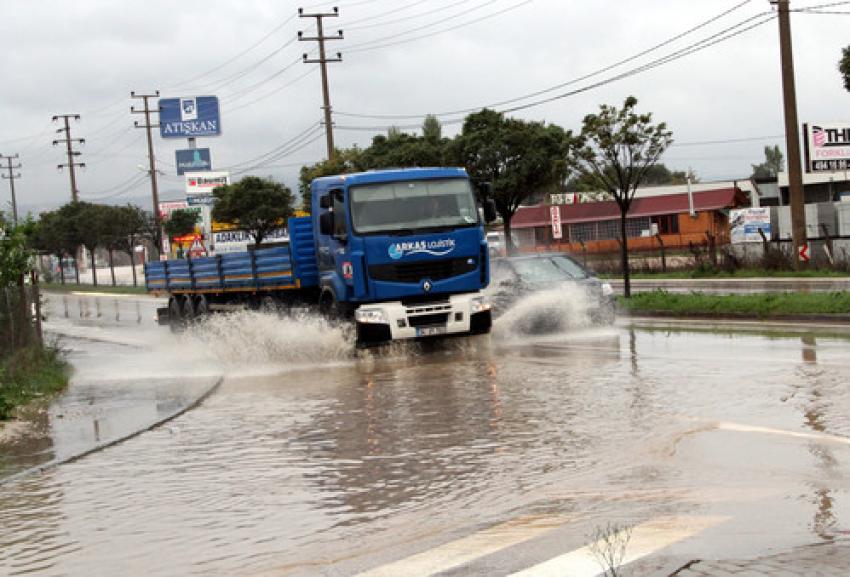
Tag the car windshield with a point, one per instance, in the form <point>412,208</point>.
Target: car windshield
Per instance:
<point>412,205</point>
<point>570,267</point>
<point>549,269</point>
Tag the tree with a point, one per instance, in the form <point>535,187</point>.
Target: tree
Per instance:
<point>774,163</point>
<point>617,148</point>
<point>844,67</point>
<point>48,237</point>
<point>89,222</point>
<point>69,225</point>
<point>253,204</point>
<point>518,158</point>
<point>129,226</point>
<point>15,253</point>
<point>344,162</point>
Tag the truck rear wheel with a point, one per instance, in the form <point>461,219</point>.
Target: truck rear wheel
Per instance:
<point>175,314</point>
<point>202,306</point>
<point>188,309</point>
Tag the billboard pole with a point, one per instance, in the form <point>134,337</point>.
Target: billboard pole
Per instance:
<point>151,158</point>
<point>792,134</point>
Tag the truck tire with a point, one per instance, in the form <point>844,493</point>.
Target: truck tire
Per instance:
<point>332,309</point>
<point>188,309</point>
<point>202,306</point>
<point>175,314</point>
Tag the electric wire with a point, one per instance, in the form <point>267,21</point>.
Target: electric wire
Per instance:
<point>607,68</point>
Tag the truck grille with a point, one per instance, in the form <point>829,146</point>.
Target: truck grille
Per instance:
<point>414,272</point>
<point>428,320</point>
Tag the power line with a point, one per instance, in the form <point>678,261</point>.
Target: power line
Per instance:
<point>283,154</point>
<point>573,81</point>
<point>323,61</point>
<point>270,154</point>
<point>377,24</point>
<point>11,177</point>
<point>369,45</point>
<point>69,144</point>
<point>147,111</point>
<point>273,92</point>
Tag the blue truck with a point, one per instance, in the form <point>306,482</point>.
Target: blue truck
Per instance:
<point>401,253</point>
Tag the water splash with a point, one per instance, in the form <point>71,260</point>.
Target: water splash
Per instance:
<point>547,311</point>
<point>252,338</point>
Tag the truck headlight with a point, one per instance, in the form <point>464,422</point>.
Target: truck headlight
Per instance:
<point>479,304</point>
<point>607,289</point>
<point>371,316</point>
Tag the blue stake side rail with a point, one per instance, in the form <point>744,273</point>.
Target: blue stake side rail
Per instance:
<point>283,267</point>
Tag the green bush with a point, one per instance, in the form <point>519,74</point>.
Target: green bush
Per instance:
<point>30,373</point>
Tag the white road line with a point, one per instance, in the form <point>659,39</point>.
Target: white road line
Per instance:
<point>469,548</point>
<point>646,538</point>
<point>723,426</point>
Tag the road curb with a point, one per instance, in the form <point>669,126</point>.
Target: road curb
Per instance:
<point>111,443</point>
<point>835,319</point>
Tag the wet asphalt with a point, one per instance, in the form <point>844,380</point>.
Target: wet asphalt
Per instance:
<point>314,459</point>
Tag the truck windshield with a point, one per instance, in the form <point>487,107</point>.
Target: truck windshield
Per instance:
<point>412,205</point>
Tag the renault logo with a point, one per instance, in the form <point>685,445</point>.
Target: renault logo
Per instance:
<point>426,286</point>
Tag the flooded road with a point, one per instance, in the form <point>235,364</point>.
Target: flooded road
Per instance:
<point>311,459</point>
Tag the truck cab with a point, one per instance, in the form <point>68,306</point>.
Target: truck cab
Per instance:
<point>403,252</point>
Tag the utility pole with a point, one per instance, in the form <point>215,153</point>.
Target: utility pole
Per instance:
<point>792,134</point>
<point>69,144</point>
<point>11,177</point>
<point>147,111</point>
<point>323,60</point>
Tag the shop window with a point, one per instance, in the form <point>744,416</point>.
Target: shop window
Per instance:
<point>667,224</point>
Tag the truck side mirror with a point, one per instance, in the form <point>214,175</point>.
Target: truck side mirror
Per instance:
<point>489,210</point>
<point>326,223</point>
<point>325,201</point>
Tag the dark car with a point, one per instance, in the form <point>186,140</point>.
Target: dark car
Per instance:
<point>548,292</point>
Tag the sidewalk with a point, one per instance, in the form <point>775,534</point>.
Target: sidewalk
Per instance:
<point>824,560</point>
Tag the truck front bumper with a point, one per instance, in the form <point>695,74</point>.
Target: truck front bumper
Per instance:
<point>454,315</point>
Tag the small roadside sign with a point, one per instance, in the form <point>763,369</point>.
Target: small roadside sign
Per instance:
<point>555,215</point>
<point>804,252</point>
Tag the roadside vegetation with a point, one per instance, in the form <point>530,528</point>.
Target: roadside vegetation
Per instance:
<point>751,305</point>
<point>27,374</point>
<point>28,368</point>
<point>740,273</point>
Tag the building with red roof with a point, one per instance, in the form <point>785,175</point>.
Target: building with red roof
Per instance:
<point>595,226</point>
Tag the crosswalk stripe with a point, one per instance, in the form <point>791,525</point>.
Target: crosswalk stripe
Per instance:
<point>646,539</point>
<point>741,428</point>
<point>469,548</point>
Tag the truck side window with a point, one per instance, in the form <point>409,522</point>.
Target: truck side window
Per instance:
<point>340,228</point>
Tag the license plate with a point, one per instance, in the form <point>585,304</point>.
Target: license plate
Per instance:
<point>430,331</point>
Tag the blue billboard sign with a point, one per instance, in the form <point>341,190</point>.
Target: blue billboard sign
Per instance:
<point>189,117</point>
<point>193,160</point>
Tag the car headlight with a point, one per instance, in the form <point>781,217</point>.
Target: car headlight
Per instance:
<point>479,304</point>
<point>607,289</point>
<point>371,316</point>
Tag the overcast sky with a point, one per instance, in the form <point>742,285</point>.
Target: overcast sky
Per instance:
<point>400,57</point>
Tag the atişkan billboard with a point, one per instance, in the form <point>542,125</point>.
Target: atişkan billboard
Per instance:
<point>189,117</point>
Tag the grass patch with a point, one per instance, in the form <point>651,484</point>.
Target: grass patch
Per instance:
<point>87,288</point>
<point>28,374</point>
<point>757,305</point>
